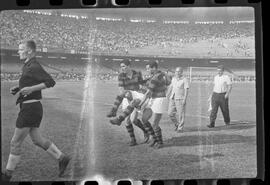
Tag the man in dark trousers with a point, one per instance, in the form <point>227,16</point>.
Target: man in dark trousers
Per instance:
<point>34,79</point>
<point>220,97</point>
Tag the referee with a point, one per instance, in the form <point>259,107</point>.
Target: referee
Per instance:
<point>34,78</point>
<point>220,97</point>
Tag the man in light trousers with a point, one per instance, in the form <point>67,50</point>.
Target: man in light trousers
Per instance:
<point>177,94</point>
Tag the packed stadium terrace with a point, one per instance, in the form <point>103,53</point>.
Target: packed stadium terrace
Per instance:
<point>121,37</point>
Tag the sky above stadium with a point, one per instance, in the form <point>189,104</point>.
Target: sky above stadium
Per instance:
<point>202,13</point>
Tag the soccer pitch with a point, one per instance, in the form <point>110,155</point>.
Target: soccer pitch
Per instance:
<point>75,119</point>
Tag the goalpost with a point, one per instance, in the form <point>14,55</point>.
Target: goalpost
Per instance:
<point>201,74</point>
<point>206,74</point>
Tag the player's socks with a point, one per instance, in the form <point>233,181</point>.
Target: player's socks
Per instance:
<point>139,124</point>
<point>151,132</point>
<point>54,152</point>
<point>116,104</point>
<point>13,161</point>
<point>131,134</point>
<point>158,133</point>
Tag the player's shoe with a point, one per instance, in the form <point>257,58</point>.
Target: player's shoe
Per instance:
<point>112,113</point>
<point>179,130</point>
<point>176,126</point>
<point>210,126</point>
<point>63,163</point>
<point>132,143</point>
<point>5,176</point>
<point>115,121</point>
<point>152,143</point>
<point>158,145</point>
<point>227,123</point>
<point>146,137</point>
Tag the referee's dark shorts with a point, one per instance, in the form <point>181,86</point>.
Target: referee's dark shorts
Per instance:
<point>30,115</point>
<point>219,100</point>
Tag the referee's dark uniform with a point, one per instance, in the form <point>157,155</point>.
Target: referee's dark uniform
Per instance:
<point>221,83</point>
<point>31,111</point>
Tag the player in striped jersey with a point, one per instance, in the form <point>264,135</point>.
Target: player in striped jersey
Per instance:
<point>156,92</point>
<point>129,86</point>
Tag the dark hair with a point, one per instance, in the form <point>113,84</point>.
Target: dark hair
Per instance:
<point>30,44</point>
<point>152,64</point>
<point>126,62</point>
<point>221,67</point>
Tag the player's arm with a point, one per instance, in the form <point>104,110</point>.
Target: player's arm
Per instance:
<point>229,87</point>
<point>39,74</point>
<point>186,86</point>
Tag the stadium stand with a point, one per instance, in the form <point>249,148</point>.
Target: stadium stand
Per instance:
<point>123,37</point>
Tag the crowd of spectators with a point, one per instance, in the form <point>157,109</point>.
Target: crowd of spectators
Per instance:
<point>52,31</point>
<point>5,76</point>
<point>8,76</point>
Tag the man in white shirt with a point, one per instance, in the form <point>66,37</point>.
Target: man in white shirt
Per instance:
<point>220,97</point>
<point>177,94</point>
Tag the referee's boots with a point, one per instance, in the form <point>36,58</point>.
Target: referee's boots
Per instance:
<point>5,176</point>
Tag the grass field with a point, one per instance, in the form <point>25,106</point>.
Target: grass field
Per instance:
<point>74,118</point>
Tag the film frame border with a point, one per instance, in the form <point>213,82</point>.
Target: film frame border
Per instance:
<point>262,140</point>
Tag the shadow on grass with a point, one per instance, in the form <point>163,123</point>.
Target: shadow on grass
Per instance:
<point>195,140</point>
<point>232,126</point>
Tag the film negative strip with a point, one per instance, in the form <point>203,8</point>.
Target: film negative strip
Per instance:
<point>131,92</point>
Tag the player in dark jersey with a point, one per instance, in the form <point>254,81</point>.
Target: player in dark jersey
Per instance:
<point>156,94</point>
<point>34,78</point>
<point>129,86</point>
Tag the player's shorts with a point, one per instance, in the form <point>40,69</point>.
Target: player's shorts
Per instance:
<point>30,115</point>
<point>158,105</point>
<point>135,95</point>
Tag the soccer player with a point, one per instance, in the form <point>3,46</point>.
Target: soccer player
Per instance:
<point>177,93</point>
<point>220,97</point>
<point>156,92</point>
<point>34,79</point>
<point>129,86</point>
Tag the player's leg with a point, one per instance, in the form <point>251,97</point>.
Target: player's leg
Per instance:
<point>136,121</point>
<point>130,130</point>
<point>159,106</point>
<point>158,132</point>
<point>181,111</point>
<point>51,148</point>
<point>172,112</point>
<point>117,102</point>
<point>224,106</point>
<point>15,151</point>
<point>213,114</point>
<point>147,114</point>
<point>118,120</point>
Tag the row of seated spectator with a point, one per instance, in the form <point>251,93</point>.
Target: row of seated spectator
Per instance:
<point>113,77</point>
<point>115,37</point>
